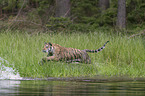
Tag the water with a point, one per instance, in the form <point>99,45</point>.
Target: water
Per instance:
<point>70,88</point>
<point>8,72</point>
<point>11,84</point>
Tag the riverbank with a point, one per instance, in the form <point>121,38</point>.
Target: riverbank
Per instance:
<point>122,56</point>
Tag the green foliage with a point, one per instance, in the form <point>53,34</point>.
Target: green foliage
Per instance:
<point>62,23</point>
<point>108,18</point>
<point>135,13</point>
<point>88,12</point>
<point>11,5</point>
<point>43,5</point>
<point>136,16</point>
<point>81,27</point>
<point>58,23</point>
<point>85,8</point>
<point>85,14</point>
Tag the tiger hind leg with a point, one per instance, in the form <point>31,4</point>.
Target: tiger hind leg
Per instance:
<point>88,61</point>
<point>74,61</point>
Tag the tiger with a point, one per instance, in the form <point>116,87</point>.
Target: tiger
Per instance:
<point>58,53</point>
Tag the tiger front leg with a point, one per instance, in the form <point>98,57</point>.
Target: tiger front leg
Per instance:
<point>45,59</point>
<point>48,58</point>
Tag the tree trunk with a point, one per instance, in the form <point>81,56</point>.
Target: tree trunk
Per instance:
<point>62,8</point>
<point>121,15</point>
<point>103,5</point>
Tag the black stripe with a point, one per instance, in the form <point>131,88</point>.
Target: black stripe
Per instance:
<point>99,49</point>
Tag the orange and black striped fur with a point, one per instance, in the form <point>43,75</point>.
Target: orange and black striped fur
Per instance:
<point>59,53</point>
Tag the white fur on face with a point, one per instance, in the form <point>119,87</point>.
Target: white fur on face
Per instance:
<point>47,51</point>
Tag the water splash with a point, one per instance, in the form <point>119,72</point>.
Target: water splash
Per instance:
<point>7,72</point>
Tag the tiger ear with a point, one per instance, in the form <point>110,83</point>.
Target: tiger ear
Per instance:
<point>50,44</point>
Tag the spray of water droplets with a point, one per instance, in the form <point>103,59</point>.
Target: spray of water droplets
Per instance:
<point>7,72</point>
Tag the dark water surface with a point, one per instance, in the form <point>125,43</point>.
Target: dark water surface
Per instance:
<point>71,88</point>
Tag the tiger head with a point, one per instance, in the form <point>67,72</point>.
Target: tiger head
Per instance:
<point>48,48</point>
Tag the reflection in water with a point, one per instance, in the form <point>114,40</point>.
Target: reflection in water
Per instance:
<point>6,85</point>
<point>61,88</point>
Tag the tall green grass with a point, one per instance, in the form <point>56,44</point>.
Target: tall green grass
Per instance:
<point>121,57</point>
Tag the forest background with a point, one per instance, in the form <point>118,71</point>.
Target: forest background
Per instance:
<point>78,15</point>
